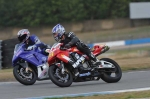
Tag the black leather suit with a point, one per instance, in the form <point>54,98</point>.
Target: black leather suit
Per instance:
<point>73,40</point>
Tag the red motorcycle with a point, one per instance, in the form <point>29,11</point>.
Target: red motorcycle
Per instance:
<point>62,73</point>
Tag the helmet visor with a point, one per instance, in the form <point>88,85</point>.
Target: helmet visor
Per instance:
<point>56,36</point>
<point>22,38</point>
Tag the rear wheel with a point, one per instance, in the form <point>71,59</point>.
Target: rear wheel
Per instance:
<point>25,78</point>
<point>113,75</point>
<point>61,80</point>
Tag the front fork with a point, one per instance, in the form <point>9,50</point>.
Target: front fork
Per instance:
<point>25,65</point>
<point>61,67</point>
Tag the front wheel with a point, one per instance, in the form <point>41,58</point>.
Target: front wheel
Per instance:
<point>25,78</point>
<point>111,76</point>
<point>61,80</point>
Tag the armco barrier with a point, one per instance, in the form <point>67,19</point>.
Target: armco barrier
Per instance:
<point>123,42</point>
<point>137,41</point>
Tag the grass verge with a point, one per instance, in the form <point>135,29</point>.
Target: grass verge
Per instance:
<point>6,75</point>
<point>127,95</point>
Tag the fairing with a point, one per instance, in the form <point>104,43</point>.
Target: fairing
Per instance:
<point>56,53</point>
<point>33,56</point>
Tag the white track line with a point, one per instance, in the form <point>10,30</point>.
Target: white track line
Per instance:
<point>136,71</point>
<point>89,94</point>
<point>6,83</point>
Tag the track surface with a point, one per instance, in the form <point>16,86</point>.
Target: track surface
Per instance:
<point>130,80</point>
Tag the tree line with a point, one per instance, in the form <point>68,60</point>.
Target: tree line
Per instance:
<point>47,12</point>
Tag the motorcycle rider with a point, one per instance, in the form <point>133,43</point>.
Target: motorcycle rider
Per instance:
<point>69,40</point>
<point>31,41</point>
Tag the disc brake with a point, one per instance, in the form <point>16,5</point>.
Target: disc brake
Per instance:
<point>23,74</point>
<point>59,76</point>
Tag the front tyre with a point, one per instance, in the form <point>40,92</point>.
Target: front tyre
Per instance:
<point>25,78</point>
<point>61,80</point>
<point>112,75</point>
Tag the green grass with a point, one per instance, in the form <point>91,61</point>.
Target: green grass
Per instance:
<point>127,95</point>
<point>6,70</point>
<point>130,50</point>
<point>6,75</point>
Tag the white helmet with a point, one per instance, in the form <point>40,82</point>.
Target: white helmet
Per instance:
<point>23,35</point>
<point>58,31</point>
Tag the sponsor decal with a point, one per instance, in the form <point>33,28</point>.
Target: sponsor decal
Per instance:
<point>65,57</point>
<point>80,60</point>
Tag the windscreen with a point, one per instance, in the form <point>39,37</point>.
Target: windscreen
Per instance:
<point>55,45</point>
<point>17,47</point>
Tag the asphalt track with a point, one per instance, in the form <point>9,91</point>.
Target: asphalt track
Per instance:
<point>130,80</point>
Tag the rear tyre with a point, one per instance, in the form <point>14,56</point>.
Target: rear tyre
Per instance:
<point>61,80</point>
<point>23,77</point>
<point>117,73</point>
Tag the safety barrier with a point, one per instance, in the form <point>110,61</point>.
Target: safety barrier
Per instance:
<point>0,54</point>
<point>124,42</point>
<point>7,52</point>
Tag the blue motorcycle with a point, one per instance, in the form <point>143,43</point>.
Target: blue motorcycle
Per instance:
<point>29,65</point>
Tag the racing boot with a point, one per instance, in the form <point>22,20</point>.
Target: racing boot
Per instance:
<point>96,63</point>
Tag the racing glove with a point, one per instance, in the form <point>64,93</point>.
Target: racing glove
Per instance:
<point>68,45</point>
